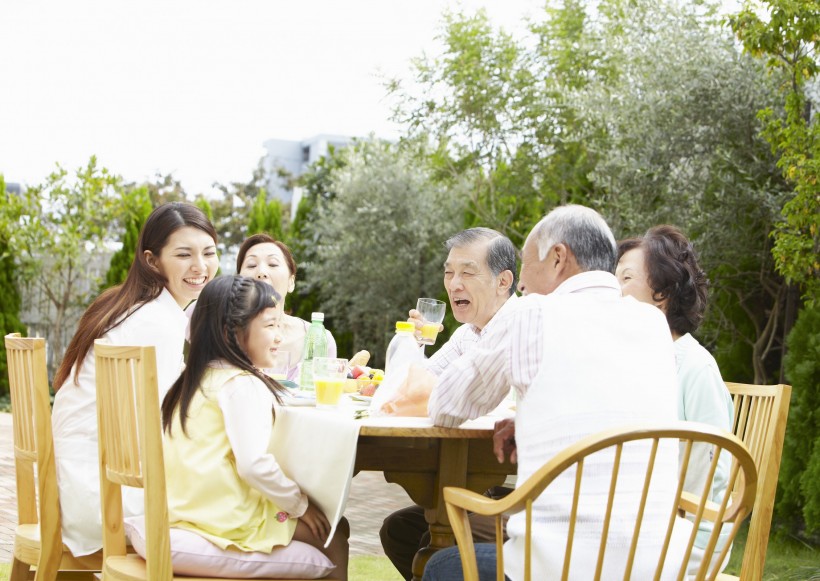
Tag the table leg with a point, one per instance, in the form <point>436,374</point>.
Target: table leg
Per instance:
<point>452,471</point>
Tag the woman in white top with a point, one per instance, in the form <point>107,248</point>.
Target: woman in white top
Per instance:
<point>175,258</point>
<point>263,257</point>
<point>661,269</point>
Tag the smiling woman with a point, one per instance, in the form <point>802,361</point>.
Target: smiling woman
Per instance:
<point>175,258</point>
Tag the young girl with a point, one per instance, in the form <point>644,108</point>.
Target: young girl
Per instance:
<point>175,258</point>
<point>222,483</point>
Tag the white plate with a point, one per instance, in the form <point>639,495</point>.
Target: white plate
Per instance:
<point>298,400</point>
<point>362,398</point>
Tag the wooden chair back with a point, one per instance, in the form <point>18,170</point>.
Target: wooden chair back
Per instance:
<point>761,414</point>
<point>729,513</point>
<point>130,445</point>
<point>38,539</point>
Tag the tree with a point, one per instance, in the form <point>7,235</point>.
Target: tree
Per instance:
<point>385,198</point>
<point>62,231</point>
<point>9,296</point>
<point>265,216</point>
<point>798,498</point>
<point>136,205</point>
<point>675,137</point>
<point>498,110</point>
<point>230,213</point>
<point>789,39</point>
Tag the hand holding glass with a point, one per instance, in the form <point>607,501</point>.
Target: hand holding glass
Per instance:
<point>432,312</point>
<point>329,374</point>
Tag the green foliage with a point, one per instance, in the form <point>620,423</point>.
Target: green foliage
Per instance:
<point>9,299</point>
<point>230,214</point>
<point>317,186</point>
<point>55,230</point>
<point>203,204</point>
<point>385,198</point>
<point>136,205</point>
<point>789,39</point>
<point>265,216</point>
<point>500,117</point>
<point>798,500</point>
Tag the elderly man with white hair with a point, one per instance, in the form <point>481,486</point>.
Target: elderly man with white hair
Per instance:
<point>581,358</point>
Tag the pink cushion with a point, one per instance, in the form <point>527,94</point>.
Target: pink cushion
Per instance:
<point>197,557</point>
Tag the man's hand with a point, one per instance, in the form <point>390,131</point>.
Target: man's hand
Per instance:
<point>417,320</point>
<point>504,440</point>
<point>412,396</point>
<point>316,521</point>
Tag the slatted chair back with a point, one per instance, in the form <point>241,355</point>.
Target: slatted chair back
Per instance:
<point>727,515</point>
<point>38,538</point>
<point>761,414</point>
<point>130,445</point>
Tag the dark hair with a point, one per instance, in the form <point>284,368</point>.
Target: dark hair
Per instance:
<point>673,275</point>
<point>263,238</point>
<point>143,283</point>
<point>226,307</point>
<point>583,231</point>
<point>501,253</point>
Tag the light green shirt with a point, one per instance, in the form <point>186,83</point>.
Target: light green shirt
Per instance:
<point>703,397</point>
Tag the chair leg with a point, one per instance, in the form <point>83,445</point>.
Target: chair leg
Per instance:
<point>20,571</point>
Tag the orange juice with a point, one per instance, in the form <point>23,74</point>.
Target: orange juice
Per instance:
<point>429,332</point>
<point>328,391</point>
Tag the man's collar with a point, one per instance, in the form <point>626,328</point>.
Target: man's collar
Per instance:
<point>507,305</point>
<point>593,280</point>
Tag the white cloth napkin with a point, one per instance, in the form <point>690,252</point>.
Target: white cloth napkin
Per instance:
<point>317,449</point>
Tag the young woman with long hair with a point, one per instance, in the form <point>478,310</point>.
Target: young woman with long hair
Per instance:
<point>174,260</point>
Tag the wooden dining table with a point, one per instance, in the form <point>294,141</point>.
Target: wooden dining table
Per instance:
<point>411,452</point>
<point>423,460</point>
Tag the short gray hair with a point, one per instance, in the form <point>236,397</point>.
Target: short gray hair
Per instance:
<point>501,252</point>
<point>584,232</point>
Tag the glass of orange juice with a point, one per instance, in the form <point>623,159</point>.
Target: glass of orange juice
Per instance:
<point>432,311</point>
<point>329,374</point>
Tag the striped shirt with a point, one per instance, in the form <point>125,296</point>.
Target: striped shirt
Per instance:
<point>463,340</point>
<point>508,355</point>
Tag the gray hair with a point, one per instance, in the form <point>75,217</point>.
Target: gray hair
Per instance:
<point>583,231</point>
<point>501,253</point>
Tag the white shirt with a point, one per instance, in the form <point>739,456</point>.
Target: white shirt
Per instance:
<point>160,323</point>
<point>581,359</point>
<point>246,405</point>
<point>463,340</point>
<point>509,354</point>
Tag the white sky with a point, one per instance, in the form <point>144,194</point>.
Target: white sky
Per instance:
<point>193,87</point>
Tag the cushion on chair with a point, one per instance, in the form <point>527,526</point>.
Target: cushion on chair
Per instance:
<point>195,556</point>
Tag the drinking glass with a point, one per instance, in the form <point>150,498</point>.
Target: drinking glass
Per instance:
<point>329,374</point>
<point>432,313</point>
<point>281,366</point>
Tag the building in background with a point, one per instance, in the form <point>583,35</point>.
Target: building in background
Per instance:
<point>285,160</point>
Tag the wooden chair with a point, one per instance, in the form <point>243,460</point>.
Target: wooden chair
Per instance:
<point>38,540</point>
<point>731,512</point>
<point>130,444</point>
<point>761,413</point>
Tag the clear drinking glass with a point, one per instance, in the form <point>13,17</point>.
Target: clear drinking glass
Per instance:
<point>329,374</point>
<point>281,366</point>
<point>432,312</point>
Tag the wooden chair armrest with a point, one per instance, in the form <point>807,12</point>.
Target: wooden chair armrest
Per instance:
<point>689,502</point>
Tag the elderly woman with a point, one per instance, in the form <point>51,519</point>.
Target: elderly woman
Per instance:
<point>661,269</point>
<point>263,257</point>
